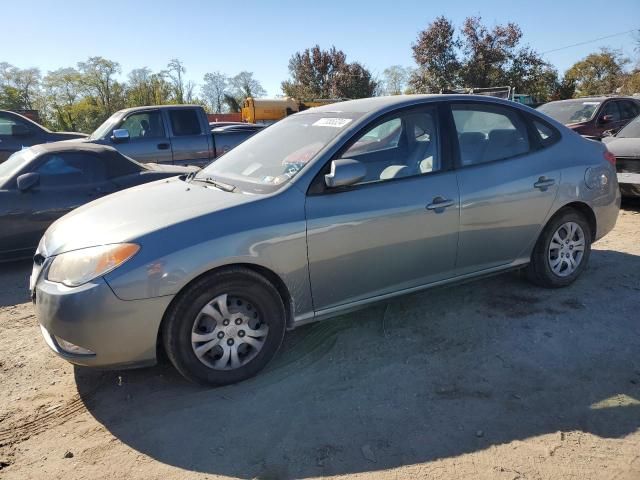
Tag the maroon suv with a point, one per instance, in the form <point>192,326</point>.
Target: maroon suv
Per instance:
<point>592,116</point>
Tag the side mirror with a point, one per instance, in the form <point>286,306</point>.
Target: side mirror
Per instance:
<point>345,172</point>
<point>606,118</point>
<point>19,130</point>
<point>120,135</point>
<point>27,181</point>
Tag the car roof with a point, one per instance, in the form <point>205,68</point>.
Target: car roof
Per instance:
<point>154,107</point>
<point>595,98</point>
<point>373,104</point>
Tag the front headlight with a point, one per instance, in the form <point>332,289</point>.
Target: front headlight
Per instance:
<point>81,266</point>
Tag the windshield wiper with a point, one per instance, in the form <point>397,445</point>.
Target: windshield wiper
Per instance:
<point>222,186</point>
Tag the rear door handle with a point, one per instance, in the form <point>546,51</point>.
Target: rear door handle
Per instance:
<point>439,203</point>
<point>543,183</point>
<point>163,146</point>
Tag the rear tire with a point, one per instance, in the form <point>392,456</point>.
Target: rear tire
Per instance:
<point>225,327</point>
<point>562,251</point>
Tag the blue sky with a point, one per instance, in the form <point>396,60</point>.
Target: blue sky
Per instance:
<point>261,36</point>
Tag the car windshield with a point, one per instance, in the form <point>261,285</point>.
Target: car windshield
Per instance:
<point>106,127</point>
<point>272,157</point>
<point>14,164</point>
<point>570,111</point>
<point>632,130</point>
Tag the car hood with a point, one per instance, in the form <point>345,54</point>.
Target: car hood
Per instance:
<point>623,147</point>
<point>65,136</point>
<point>134,212</point>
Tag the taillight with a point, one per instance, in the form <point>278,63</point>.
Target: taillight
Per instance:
<point>610,157</point>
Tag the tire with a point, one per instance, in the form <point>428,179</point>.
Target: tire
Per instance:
<point>235,309</point>
<point>544,269</point>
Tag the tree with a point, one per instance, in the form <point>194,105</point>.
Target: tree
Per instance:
<point>317,73</point>
<point>98,79</point>
<point>599,73</point>
<point>243,86</point>
<point>479,57</point>
<point>19,88</point>
<point>435,52</point>
<point>395,80</point>
<point>176,71</point>
<point>63,90</point>
<point>214,89</point>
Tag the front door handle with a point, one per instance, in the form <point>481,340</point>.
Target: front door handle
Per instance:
<point>163,146</point>
<point>439,203</point>
<point>543,183</point>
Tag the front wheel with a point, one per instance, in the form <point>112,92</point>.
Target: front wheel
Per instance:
<point>225,327</point>
<point>562,251</point>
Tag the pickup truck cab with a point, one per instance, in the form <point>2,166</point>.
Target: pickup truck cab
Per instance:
<point>175,134</point>
<point>18,132</point>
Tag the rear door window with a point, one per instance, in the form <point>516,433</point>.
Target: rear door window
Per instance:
<point>628,109</point>
<point>489,132</point>
<point>184,122</point>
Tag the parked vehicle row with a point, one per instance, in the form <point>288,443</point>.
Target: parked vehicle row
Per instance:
<point>18,132</point>
<point>325,211</point>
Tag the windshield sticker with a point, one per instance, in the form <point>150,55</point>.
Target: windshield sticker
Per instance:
<point>332,122</point>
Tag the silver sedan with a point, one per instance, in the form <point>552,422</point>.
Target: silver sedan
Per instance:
<point>328,210</point>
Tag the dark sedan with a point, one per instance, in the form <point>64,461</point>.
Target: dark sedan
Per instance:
<point>40,184</point>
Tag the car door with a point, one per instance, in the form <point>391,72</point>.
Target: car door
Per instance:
<point>189,139</point>
<point>14,135</point>
<point>148,138</point>
<point>628,111</point>
<point>398,227</point>
<point>508,178</point>
<point>67,180</point>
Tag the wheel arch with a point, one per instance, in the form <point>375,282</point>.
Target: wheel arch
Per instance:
<point>583,209</point>
<point>264,272</point>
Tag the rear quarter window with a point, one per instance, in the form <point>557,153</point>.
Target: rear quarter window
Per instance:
<point>547,135</point>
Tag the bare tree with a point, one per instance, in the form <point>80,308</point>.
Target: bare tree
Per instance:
<point>176,71</point>
<point>214,90</point>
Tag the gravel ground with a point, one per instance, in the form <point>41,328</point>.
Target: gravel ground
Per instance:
<point>494,379</point>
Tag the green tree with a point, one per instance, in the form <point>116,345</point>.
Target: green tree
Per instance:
<point>317,73</point>
<point>243,86</point>
<point>101,86</point>
<point>63,91</point>
<point>598,73</point>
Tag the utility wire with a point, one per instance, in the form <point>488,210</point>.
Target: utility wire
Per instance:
<point>591,41</point>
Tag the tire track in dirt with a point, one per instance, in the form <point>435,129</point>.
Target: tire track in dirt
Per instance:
<point>52,417</point>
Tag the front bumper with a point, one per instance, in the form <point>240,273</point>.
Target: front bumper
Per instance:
<point>120,333</point>
<point>629,184</point>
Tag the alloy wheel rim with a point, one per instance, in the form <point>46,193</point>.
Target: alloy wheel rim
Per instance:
<point>228,333</point>
<point>566,249</point>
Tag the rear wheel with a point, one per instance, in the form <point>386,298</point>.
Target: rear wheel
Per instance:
<point>562,251</point>
<point>225,327</point>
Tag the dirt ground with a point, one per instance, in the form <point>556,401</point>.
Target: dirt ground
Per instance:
<point>489,380</point>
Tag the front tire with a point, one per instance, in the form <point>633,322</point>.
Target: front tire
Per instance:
<point>562,251</point>
<point>225,327</point>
